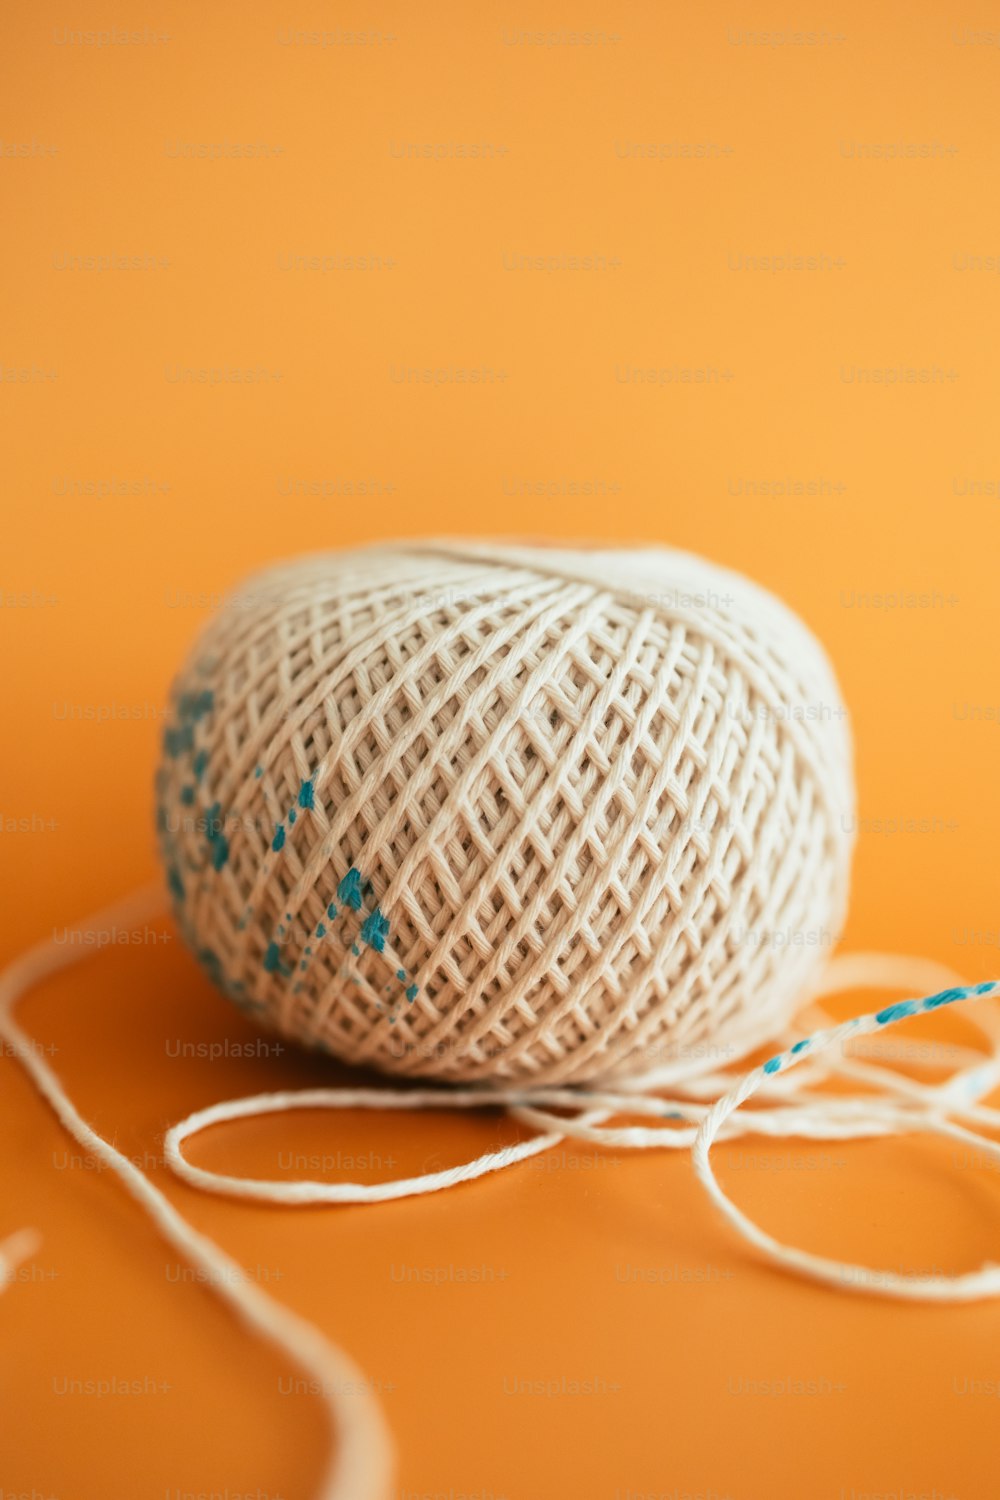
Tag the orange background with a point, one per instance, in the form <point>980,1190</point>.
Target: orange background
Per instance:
<point>591,1266</point>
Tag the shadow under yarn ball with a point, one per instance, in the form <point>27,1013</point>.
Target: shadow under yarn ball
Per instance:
<point>494,812</point>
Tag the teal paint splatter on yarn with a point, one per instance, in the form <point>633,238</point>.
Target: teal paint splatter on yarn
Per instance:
<point>375,930</point>
<point>218,844</point>
<point>178,739</point>
<point>273,963</point>
<point>192,707</point>
<point>305,800</point>
<point>195,706</point>
<point>349,889</point>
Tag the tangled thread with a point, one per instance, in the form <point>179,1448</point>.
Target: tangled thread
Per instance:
<point>703,1107</point>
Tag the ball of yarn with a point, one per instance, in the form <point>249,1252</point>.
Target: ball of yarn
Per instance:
<point>493,812</point>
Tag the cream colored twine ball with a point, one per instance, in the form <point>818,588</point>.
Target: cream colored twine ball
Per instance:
<point>498,813</point>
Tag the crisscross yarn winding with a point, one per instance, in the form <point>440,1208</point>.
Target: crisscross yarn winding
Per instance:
<point>503,813</point>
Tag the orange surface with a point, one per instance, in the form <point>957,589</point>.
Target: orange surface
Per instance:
<point>583,1267</point>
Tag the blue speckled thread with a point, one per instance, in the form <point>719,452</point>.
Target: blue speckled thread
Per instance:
<point>887,1017</point>
<point>179,740</point>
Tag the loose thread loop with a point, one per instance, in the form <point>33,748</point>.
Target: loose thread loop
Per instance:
<point>699,1115</point>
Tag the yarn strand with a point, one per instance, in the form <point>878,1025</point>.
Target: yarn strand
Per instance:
<point>360,1467</point>
<point>706,1108</point>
